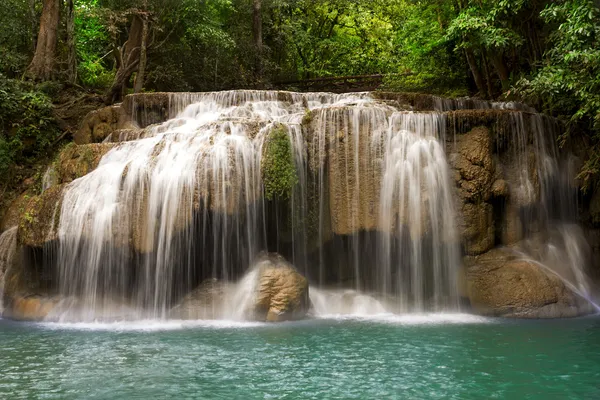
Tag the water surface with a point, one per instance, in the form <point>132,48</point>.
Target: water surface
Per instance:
<point>410,357</point>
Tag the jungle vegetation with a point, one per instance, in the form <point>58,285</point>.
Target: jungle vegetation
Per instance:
<point>546,53</point>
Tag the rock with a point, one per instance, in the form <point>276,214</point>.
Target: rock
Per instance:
<point>499,284</point>
<point>204,302</point>
<point>476,226</point>
<point>39,217</point>
<point>76,161</point>
<point>30,308</point>
<point>99,124</point>
<point>500,188</point>
<point>474,175</point>
<point>282,293</point>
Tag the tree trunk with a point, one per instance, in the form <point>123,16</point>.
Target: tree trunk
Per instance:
<point>257,34</point>
<point>72,58</point>
<point>139,78</point>
<point>42,64</point>
<point>488,76</point>
<point>501,69</point>
<point>479,81</point>
<point>128,59</point>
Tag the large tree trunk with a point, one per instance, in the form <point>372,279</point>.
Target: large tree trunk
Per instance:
<point>72,57</point>
<point>257,34</point>
<point>128,59</point>
<point>139,78</point>
<point>42,64</point>
<point>479,81</point>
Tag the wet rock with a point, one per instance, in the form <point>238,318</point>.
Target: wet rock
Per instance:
<point>39,217</point>
<point>30,308</point>
<point>76,161</point>
<point>499,284</point>
<point>476,224</point>
<point>204,302</point>
<point>500,188</point>
<point>282,293</point>
<point>474,176</point>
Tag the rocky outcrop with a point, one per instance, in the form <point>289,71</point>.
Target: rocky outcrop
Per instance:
<point>281,293</point>
<point>475,172</point>
<point>499,284</point>
<point>99,124</point>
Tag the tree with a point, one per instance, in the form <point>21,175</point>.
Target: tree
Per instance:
<point>127,59</point>
<point>72,52</point>
<point>257,35</point>
<point>42,64</point>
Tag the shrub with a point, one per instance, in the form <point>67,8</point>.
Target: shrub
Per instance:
<point>277,166</point>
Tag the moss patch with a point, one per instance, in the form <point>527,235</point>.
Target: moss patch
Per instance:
<point>277,166</point>
<point>76,161</point>
<point>39,217</point>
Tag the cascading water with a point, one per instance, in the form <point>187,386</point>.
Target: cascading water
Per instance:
<point>182,201</point>
<point>371,221</point>
<point>553,240</point>
<point>8,246</point>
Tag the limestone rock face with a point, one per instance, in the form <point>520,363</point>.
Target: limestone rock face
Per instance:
<point>499,284</point>
<point>282,293</point>
<point>99,124</point>
<point>204,302</point>
<point>475,179</point>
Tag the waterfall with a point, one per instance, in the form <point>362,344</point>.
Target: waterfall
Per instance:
<point>8,246</point>
<point>371,219</point>
<point>546,195</point>
<point>182,201</point>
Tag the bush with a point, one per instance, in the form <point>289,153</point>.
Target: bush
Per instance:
<point>27,124</point>
<point>278,169</point>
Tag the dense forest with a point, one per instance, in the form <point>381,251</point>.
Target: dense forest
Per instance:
<point>57,54</point>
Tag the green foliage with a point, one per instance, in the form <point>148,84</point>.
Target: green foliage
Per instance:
<point>93,44</point>
<point>27,125</point>
<point>484,27</point>
<point>277,165</point>
<point>15,36</point>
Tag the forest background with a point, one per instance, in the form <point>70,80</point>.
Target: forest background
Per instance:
<point>62,58</point>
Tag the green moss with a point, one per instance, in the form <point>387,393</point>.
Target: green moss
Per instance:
<point>278,169</point>
<point>307,118</point>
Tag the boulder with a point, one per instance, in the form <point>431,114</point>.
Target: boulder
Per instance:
<point>30,308</point>
<point>99,124</point>
<point>500,284</point>
<point>281,293</point>
<point>204,302</point>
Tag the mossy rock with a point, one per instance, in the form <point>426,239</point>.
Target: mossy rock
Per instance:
<point>99,124</point>
<point>277,165</point>
<point>76,161</point>
<point>39,217</point>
